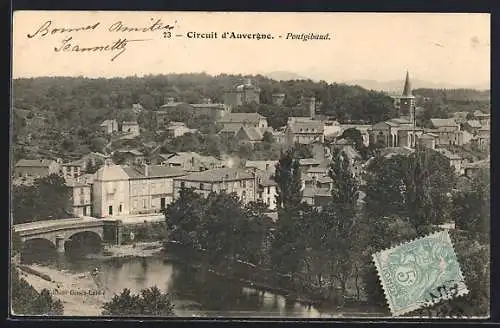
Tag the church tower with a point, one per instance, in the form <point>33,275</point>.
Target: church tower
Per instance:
<point>407,101</point>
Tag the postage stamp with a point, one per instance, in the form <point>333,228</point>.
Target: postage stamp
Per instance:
<point>413,273</point>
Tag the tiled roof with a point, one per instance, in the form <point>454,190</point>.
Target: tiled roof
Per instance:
<point>107,122</point>
<point>129,123</point>
<point>253,133</point>
<point>479,113</point>
<point>231,129</point>
<point>34,163</point>
<point>172,104</point>
<point>485,163</point>
<point>218,175</point>
<point>310,127</point>
<point>216,106</point>
<point>111,173</point>
<point>399,121</point>
<point>428,136</point>
<point>474,123</point>
<point>309,161</point>
<point>443,122</point>
<point>310,192</point>
<point>318,170</point>
<point>134,152</point>
<point>242,118</point>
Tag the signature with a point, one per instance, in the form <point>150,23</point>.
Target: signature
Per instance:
<point>119,46</point>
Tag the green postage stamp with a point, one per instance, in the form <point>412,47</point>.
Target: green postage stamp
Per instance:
<point>420,273</point>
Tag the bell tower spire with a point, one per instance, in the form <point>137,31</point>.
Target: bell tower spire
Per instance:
<point>407,101</point>
<point>407,92</point>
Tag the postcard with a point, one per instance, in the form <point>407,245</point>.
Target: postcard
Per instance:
<point>250,165</point>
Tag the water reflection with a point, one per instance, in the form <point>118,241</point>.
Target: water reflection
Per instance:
<point>194,292</point>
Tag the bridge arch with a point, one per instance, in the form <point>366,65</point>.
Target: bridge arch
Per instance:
<point>37,249</point>
<point>84,241</point>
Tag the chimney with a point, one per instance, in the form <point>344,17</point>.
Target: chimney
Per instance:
<point>146,170</point>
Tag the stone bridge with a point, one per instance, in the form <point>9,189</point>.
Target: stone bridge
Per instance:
<point>57,232</point>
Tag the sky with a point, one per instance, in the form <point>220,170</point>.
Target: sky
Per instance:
<point>441,48</point>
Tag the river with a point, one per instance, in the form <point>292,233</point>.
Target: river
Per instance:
<point>194,294</point>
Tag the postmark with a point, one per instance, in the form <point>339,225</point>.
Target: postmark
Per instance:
<point>413,274</point>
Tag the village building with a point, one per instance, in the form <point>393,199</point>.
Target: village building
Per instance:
<point>236,120</point>
<point>472,126</point>
<point>267,166</point>
<point>304,132</point>
<point>71,170</point>
<point>447,130</point>
<point>110,192</point>
<point>131,156</point>
<point>246,93</point>
<point>212,110</point>
<point>427,140</point>
<point>229,180</point>
<point>177,129</point>
<point>483,118</point>
<point>193,162</point>
<point>35,168</point>
<point>278,98</point>
<point>131,128</point>
<point>109,126</point>
<point>81,197</point>
<point>151,187</point>
<point>91,160</point>
<point>471,169</point>
<point>455,160</point>
<point>249,134</point>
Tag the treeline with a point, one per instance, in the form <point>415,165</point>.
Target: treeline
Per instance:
<point>62,114</point>
<point>48,198</point>
<point>457,95</point>
<point>322,251</point>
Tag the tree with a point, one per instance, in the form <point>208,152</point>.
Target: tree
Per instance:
<point>47,198</point>
<point>27,301</point>
<point>220,230</point>
<point>256,232</point>
<point>268,137</point>
<point>471,208</point>
<point>149,302</point>
<point>97,144</point>
<point>184,216</point>
<point>289,183</point>
<point>288,245</point>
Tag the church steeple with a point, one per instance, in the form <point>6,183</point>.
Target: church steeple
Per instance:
<point>407,87</point>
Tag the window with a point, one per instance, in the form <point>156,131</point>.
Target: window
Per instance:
<point>120,208</point>
<point>201,186</point>
<point>183,184</point>
<point>268,190</point>
<point>268,200</point>
<point>244,183</point>
<point>144,203</point>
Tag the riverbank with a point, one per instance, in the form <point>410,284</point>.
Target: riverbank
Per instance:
<point>79,293</point>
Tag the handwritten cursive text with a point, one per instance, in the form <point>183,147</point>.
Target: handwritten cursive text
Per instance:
<point>158,25</point>
<point>45,29</point>
<point>119,46</point>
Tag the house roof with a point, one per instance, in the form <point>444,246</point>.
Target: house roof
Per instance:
<point>309,161</point>
<point>129,123</point>
<point>399,121</point>
<point>479,113</point>
<point>172,104</point>
<point>351,152</point>
<point>134,152</point>
<point>392,151</point>
<point>107,122</point>
<point>219,175</point>
<point>213,106</point>
<point>310,192</point>
<point>325,179</point>
<point>154,171</point>
<point>111,173</point>
<point>310,127</point>
<point>448,154</point>
<point>242,118</point>
<point>474,123</point>
<point>443,122</point>
<point>428,136</point>
<point>252,133</point>
<point>484,164</point>
<point>231,129</point>
<point>316,169</point>
<point>34,163</point>
<point>165,156</point>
